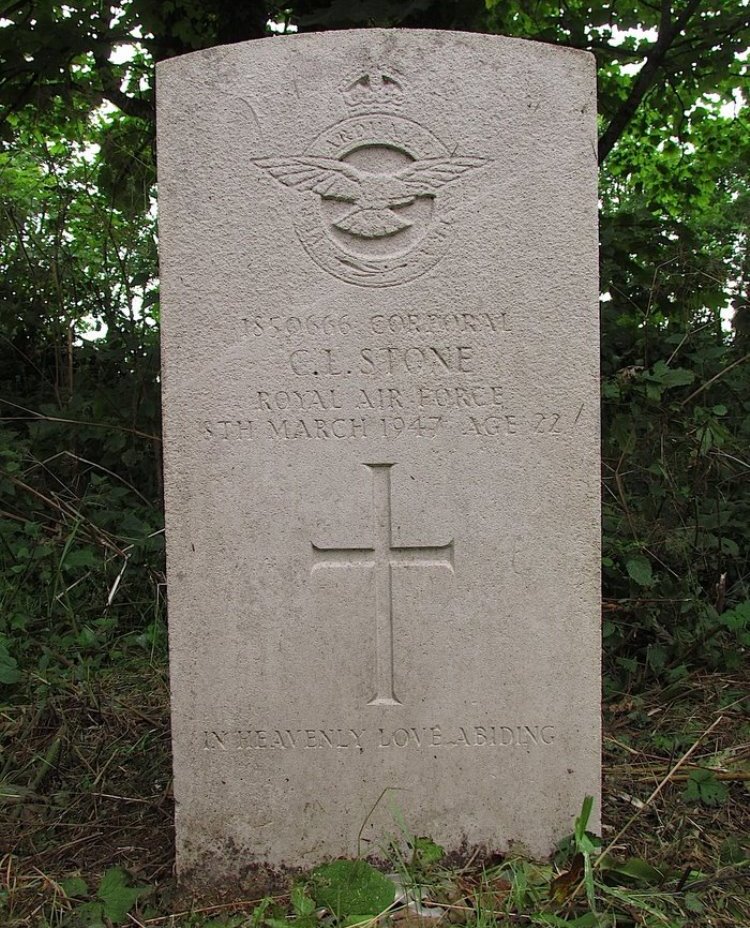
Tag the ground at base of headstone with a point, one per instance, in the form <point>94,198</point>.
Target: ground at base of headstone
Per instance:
<point>86,828</point>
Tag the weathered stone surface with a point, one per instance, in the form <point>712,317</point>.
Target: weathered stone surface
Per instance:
<point>381,443</point>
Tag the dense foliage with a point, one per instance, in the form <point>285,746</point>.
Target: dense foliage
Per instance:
<point>80,497</point>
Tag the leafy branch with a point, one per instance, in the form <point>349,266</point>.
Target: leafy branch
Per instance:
<point>669,30</point>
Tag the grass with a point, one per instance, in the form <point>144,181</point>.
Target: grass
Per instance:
<point>85,795</point>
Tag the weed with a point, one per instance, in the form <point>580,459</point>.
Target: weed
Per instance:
<point>84,791</point>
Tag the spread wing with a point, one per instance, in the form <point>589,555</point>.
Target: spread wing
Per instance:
<point>430,174</point>
<point>327,177</point>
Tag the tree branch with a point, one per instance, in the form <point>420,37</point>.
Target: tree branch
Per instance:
<point>646,77</point>
<point>131,106</point>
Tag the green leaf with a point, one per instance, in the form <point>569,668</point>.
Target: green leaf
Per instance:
<point>582,821</point>
<point>90,915</point>
<point>74,886</point>
<point>232,921</point>
<point>669,377</point>
<point>301,902</point>
<point>351,887</point>
<point>693,903</point>
<point>639,569</point>
<point>635,868</point>
<point>256,919</point>
<point>738,618</point>
<point>83,557</point>
<point>732,852</point>
<point>427,852</point>
<point>656,656</point>
<point>117,897</point>
<point>702,786</point>
<point>589,920</point>
<point>9,672</point>
<point>628,663</point>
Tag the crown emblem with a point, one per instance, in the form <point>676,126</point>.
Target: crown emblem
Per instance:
<point>374,88</point>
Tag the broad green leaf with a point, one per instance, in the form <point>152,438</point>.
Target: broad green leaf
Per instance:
<point>693,903</point>
<point>82,557</point>
<point>634,867</point>
<point>74,886</point>
<point>117,897</point>
<point>90,915</point>
<point>737,618</point>
<point>702,786</point>
<point>668,377</point>
<point>656,656</point>
<point>351,887</point>
<point>301,902</point>
<point>589,920</point>
<point>639,569</point>
<point>9,672</point>
<point>228,921</point>
<point>732,852</point>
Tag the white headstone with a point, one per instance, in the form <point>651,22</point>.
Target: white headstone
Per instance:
<point>380,346</point>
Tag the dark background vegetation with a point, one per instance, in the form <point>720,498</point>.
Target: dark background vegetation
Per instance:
<point>81,546</point>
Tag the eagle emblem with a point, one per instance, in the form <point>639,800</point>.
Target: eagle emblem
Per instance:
<point>375,197</point>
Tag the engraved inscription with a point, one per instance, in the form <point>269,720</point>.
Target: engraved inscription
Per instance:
<point>389,361</point>
<point>383,555</point>
<point>531,736</point>
<point>402,324</point>
<point>476,413</point>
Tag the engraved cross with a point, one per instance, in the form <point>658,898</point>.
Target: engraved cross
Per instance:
<point>383,556</point>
